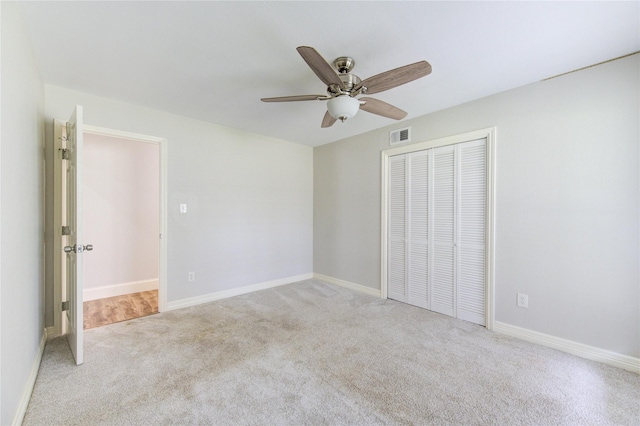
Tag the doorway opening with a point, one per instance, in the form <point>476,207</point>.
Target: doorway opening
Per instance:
<point>124,217</point>
<point>121,205</point>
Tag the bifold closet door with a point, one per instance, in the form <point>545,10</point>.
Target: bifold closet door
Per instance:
<point>436,239</point>
<point>471,229</point>
<point>418,229</point>
<point>408,274</point>
<point>443,276</point>
<point>397,228</point>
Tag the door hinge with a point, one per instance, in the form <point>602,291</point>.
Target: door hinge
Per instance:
<point>65,306</point>
<point>64,153</point>
<point>66,230</point>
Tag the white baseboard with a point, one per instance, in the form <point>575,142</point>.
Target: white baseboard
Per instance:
<point>585,351</point>
<point>224,294</point>
<point>119,289</point>
<point>31,381</point>
<point>347,284</point>
<point>50,332</point>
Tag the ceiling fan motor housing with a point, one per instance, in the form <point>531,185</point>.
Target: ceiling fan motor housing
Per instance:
<point>349,81</point>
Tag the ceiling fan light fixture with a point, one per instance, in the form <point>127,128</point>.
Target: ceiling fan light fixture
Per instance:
<point>343,107</point>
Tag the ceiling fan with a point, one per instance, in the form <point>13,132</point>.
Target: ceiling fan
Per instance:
<point>343,87</point>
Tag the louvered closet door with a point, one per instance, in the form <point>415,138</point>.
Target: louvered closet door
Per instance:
<point>436,239</point>
<point>443,275</point>
<point>397,213</point>
<point>418,232</point>
<point>471,231</point>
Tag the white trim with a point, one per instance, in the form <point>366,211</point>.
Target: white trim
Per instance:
<point>31,381</point>
<point>384,221</point>
<point>119,134</point>
<point>347,284</point>
<point>51,332</point>
<point>490,135</point>
<point>224,294</point>
<point>119,289</point>
<point>164,168</point>
<point>449,140</point>
<point>490,235</point>
<point>584,351</point>
<point>164,243</point>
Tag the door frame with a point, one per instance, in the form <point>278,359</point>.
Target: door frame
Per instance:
<point>59,324</point>
<point>490,135</point>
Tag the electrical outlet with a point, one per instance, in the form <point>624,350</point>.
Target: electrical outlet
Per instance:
<point>183,208</point>
<point>522,300</point>
<point>191,277</point>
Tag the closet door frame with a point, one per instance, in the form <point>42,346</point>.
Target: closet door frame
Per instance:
<point>489,135</point>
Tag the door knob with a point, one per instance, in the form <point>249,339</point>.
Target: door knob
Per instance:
<point>78,248</point>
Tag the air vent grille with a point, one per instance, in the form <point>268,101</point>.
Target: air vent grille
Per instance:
<point>400,136</point>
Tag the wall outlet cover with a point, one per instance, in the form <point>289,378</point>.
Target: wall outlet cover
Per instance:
<point>522,300</point>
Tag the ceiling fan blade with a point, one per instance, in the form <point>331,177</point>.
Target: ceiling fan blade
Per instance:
<point>293,98</point>
<point>395,77</point>
<point>318,65</point>
<point>376,106</point>
<point>328,120</point>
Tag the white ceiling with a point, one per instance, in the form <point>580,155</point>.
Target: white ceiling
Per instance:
<point>213,61</point>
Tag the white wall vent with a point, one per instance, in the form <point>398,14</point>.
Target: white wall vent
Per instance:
<point>400,136</point>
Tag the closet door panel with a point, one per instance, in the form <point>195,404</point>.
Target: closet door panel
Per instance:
<point>471,231</point>
<point>436,230</point>
<point>443,275</point>
<point>471,287</point>
<point>418,266</point>
<point>397,271</point>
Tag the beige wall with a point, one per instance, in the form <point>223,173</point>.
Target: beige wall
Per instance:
<point>567,202</point>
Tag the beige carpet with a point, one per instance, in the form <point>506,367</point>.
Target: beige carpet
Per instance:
<point>312,353</point>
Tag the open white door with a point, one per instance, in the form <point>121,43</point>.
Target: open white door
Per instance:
<point>74,245</point>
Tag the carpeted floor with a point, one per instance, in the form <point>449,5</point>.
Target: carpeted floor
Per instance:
<point>312,353</point>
